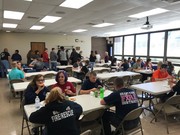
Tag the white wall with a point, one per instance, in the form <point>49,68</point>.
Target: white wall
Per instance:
<point>21,41</point>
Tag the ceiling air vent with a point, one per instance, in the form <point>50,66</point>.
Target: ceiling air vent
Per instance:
<point>171,1</point>
<point>32,17</point>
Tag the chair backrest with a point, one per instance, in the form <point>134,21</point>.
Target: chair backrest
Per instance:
<point>97,71</point>
<point>134,114</point>
<point>174,100</point>
<point>136,79</point>
<point>129,69</point>
<point>49,76</point>
<point>93,115</point>
<point>14,81</point>
<point>88,132</point>
<point>69,71</point>
<point>30,77</point>
<point>126,80</point>
<point>104,71</point>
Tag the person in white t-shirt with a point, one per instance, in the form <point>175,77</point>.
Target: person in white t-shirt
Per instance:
<point>98,57</point>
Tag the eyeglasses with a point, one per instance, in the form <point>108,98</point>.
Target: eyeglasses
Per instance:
<point>40,80</point>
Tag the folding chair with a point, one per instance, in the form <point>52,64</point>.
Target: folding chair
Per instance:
<point>126,80</point>
<point>104,71</point>
<point>49,76</point>
<point>136,79</point>
<point>168,108</point>
<point>88,132</point>
<point>92,121</point>
<point>109,83</point>
<point>12,89</point>
<point>132,115</point>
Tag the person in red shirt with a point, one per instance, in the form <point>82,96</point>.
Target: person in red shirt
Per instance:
<point>45,57</point>
<point>161,74</point>
<point>67,87</point>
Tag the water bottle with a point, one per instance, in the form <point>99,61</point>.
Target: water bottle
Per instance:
<point>101,92</point>
<point>37,102</point>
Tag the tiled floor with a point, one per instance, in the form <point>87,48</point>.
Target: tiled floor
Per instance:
<point>11,117</point>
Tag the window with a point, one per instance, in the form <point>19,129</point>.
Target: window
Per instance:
<point>141,45</point>
<point>118,46</point>
<point>129,45</point>
<point>173,46</point>
<point>157,44</point>
<point>156,60</point>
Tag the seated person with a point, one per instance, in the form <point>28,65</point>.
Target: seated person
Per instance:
<point>84,71</point>
<point>148,64</point>
<point>125,65</point>
<point>39,65</point>
<point>90,84</point>
<point>66,86</point>
<point>123,104</point>
<point>59,115</point>
<point>35,88</point>
<point>77,64</point>
<point>161,74</point>
<point>137,66</point>
<point>15,73</point>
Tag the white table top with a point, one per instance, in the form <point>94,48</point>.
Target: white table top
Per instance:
<point>118,74</point>
<point>155,88</point>
<point>23,85</point>
<point>144,71</point>
<point>42,73</point>
<point>64,67</point>
<point>101,64</point>
<point>88,103</point>
<point>78,70</point>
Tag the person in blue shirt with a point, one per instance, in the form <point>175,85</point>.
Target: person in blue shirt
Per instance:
<point>16,56</point>
<point>15,73</point>
<point>124,100</point>
<point>90,84</point>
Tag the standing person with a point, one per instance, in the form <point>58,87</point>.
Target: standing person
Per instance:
<point>98,57</point>
<point>45,57</point>
<point>5,58</point>
<point>74,56</point>
<point>16,56</point>
<point>80,55</point>
<point>37,54</point>
<point>63,57</point>
<point>106,57</point>
<point>29,57</point>
<point>67,55</point>
<point>15,73</point>
<point>59,115</point>
<point>123,104</point>
<point>62,82</point>
<point>35,88</point>
<point>53,58</point>
<point>92,59</point>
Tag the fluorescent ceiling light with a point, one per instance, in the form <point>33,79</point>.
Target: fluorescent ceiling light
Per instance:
<point>9,25</point>
<point>50,19</point>
<point>103,25</point>
<point>79,30</point>
<point>36,27</point>
<point>8,31</point>
<point>75,3</point>
<point>27,0</point>
<point>13,15</point>
<point>149,13</point>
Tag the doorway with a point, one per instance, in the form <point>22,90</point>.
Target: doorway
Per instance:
<point>40,46</point>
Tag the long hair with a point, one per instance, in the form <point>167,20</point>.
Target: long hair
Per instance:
<point>55,95</point>
<point>33,82</point>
